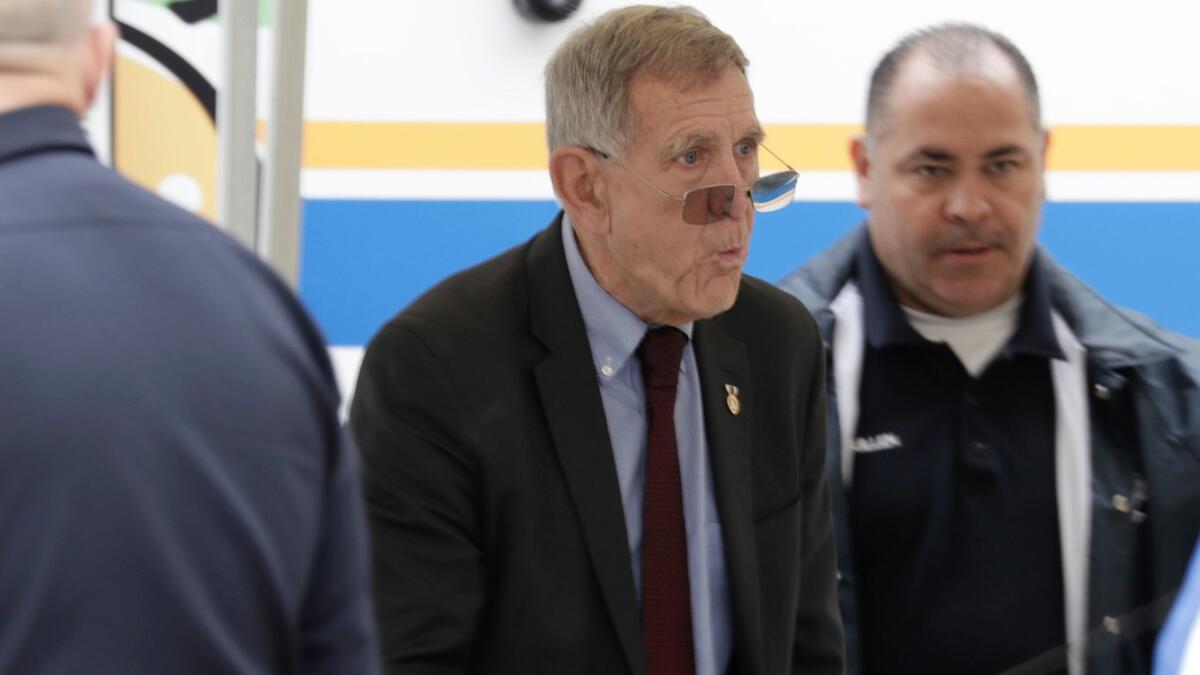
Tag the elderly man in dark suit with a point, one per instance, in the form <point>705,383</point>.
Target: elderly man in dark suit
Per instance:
<point>602,451</point>
<point>175,492</point>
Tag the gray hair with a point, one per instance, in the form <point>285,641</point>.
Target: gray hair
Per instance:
<point>950,47</point>
<point>587,78</point>
<point>43,22</point>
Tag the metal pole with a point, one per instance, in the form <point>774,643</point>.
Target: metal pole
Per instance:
<point>99,119</point>
<point>279,236</point>
<point>237,166</point>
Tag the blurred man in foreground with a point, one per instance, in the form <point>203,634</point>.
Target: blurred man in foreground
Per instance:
<point>1014,460</point>
<point>175,490</point>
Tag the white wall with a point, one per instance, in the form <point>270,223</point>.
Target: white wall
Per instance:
<point>1100,62</point>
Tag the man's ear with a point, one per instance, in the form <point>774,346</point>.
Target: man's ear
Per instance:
<point>1045,156</point>
<point>580,187</point>
<point>861,157</point>
<point>101,49</point>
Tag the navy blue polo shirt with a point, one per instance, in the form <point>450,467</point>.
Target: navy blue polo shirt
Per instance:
<point>954,518</point>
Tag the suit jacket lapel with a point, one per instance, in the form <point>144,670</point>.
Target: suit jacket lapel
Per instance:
<point>571,399</point>
<point>722,361</point>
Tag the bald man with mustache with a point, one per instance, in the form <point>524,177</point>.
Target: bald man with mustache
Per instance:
<point>1013,459</point>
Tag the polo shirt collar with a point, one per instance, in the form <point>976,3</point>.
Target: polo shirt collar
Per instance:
<point>38,129</point>
<point>1035,330</point>
<point>888,326</point>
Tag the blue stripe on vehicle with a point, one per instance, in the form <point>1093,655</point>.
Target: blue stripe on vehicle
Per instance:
<point>364,260</point>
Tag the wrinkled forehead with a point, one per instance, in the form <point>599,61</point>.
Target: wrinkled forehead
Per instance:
<point>712,107</point>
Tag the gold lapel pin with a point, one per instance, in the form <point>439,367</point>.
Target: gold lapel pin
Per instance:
<point>735,405</point>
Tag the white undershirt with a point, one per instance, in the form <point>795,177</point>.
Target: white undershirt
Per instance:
<point>975,340</point>
<point>1073,463</point>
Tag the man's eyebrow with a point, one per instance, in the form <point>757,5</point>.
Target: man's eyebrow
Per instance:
<point>935,154</point>
<point>703,138</point>
<point>685,143</point>
<point>1005,150</point>
<point>930,153</point>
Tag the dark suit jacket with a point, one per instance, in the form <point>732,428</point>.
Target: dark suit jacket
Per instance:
<point>498,528</point>
<point>175,493</point>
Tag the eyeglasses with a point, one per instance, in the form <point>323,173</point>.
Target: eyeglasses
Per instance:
<point>704,205</point>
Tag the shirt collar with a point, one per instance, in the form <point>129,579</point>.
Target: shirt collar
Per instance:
<point>39,129</point>
<point>1035,328</point>
<point>613,331</point>
<point>888,325</point>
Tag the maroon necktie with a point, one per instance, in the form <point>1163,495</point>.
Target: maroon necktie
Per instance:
<point>666,600</point>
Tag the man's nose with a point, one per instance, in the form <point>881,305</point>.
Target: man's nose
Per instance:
<point>722,200</point>
<point>735,200</point>
<point>968,201</point>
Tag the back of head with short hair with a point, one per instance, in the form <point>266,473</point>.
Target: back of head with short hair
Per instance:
<point>44,22</point>
<point>587,78</point>
<point>950,47</point>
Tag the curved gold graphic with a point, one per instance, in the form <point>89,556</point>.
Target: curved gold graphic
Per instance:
<point>163,138</point>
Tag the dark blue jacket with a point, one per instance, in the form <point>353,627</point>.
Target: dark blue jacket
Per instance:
<point>1155,437</point>
<point>175,492</point>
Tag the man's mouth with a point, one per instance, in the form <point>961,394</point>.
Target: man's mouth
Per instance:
<point>970,251</point>
<point>732,257</point>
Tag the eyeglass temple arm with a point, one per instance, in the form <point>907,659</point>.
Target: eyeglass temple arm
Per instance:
<point>781,160</point>
<point>605,156</point>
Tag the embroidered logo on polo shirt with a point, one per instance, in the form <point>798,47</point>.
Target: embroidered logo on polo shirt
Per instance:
<point>876,443</point>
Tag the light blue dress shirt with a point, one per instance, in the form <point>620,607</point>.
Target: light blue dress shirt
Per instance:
<point>1178,649</point>
<point>614,334</point>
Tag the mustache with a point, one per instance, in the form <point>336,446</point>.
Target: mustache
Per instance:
<point>969,236</point>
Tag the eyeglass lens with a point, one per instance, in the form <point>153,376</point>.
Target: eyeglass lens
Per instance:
<point>707,205</point>
<point>710,204</point>
<point>773,192</point>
